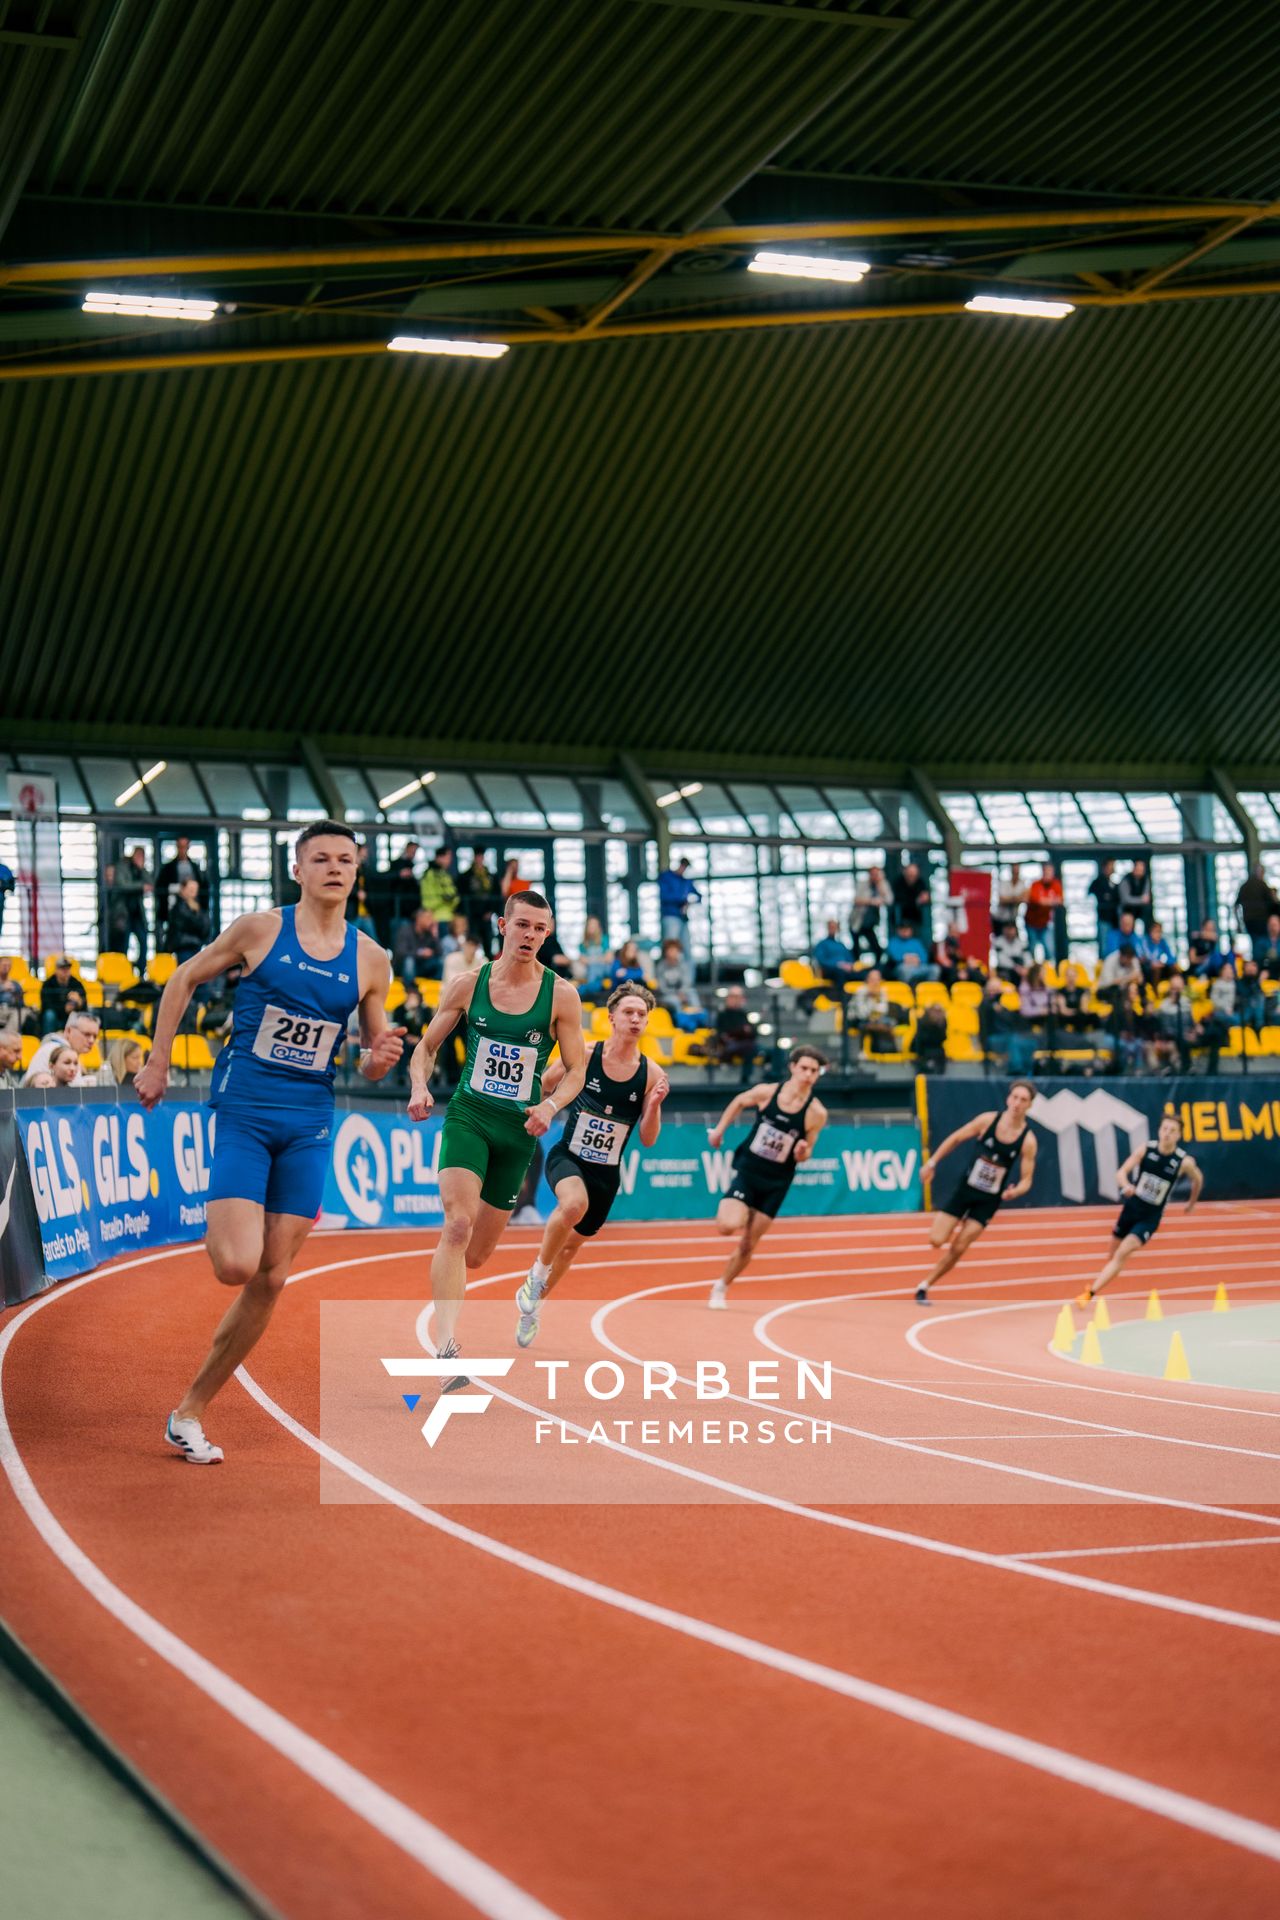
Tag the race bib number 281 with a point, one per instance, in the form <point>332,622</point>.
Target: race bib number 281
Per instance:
<point>295,1040</point>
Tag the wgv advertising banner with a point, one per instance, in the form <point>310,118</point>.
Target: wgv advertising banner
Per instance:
<point>384,1174</point>
<point>112,1179</point>
<point>1085,1130</point>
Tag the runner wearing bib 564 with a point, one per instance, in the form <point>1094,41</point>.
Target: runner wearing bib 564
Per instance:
<point>1146,1182</point>
<point>788,1117</point>
<point>305,973</point>
<point>622,1091</point>
<point>516,1012</point>
<point>974,1200</point>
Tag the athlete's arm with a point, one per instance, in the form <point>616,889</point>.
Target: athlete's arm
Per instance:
<point>249,934</point>
<point>380,1044</point>
<point>566,1023</point>
<point>741,1103</point>
<point>976,1126</point>
<point>1026,1169</point>
<point>1124,1173</point>
<point>651,1113</point>
<point>454,1002</point>
<point>1196,1177</point>
<point>553,1076</point>
<point>814,1121</point>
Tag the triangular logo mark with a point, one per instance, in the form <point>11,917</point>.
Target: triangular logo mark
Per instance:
<point>411,1400</point>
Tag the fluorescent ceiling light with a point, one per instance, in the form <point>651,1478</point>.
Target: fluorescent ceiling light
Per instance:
<point>464,349</point>
<point>1033,309</point>
<point>809,266</point>
<point>131,793</point>
<point>402,793</point>
<point>679,793</point>
<point>149,306</point>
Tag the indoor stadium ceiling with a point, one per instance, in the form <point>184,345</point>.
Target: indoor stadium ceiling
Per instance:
<point>695,513</point>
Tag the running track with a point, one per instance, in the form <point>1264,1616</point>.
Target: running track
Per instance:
<point>1044,1673</point>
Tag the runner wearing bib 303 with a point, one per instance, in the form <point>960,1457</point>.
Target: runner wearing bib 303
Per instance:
<point>1146,1182</point>
<point>516,1012</point>
<point>306,971</point>
<point>1004,1141</point>
<point>622,1091</point>
<point>787,1119</point>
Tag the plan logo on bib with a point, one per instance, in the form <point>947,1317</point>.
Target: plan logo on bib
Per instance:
<point>1067,1115</point>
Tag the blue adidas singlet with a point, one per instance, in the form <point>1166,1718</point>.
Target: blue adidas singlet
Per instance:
<point>291,1014</point>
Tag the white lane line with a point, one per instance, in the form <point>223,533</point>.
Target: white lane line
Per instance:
<point>1237,1830</point>
<point>1162,1546</point>
<point>489,1891</point>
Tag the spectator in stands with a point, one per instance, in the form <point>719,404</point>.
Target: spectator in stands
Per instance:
<point>1010,956</point>
<point>552,954</point>
<point>1106,894</point>
<point>1209,952</point>
<point>124,1058</point>
<point>10,1058</point>
<point>1176,1027</point>
<point>12,999</point>
<point>81,1034</point>
<point>1155,953</point>
<point>417,949</point>
<point>1129,1029</point>
<point>1044,904</point>
<point>676,893</point>
<point>57,984</point>
<point>1134,893</point>
<point>64,1066</point>
<point>929,1042</point>
<point>219,1008</point>
<point>1123,934</point>
<point>911,897</point>
<point>132,885</point>
<point>908,957</point>
<point>626,970</point>
<point>957,966</point>
<point>1269,957</point>
<point>402,887</point>
<point>481,900</point>
<point>414,1015</point>
<point>834,961</point>
<point>1251,1002</point>
<point>871,1013</point>
<point>187,928</point>
<point>733,1042</point>
<point>171,875</point>
<point>1034,1001</point>
<point>1120,970</point>
<point>591,969</point>
<point>451,941</point>
<point>7,886</point>
<point>41,1079</point>
<point>439,889</point>
<point>871,898</point>
<point>1069,1002</point>
<point>361,899</point>
<point>1000,1026</point>
<point>674,986</point>
<point>1222,993</point>
<point>467,957</point>
<point>1256,902</point>
<point>1010,895</point>
<point>513,881</point>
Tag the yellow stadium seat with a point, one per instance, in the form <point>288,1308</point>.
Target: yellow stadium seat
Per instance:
<point>652,1049</point>
<point>31,991</point>
<point>962,1046</point>
<point>1270,1038</point>
<point>601,1027</point>
<point>898,993</point>
<point>932,993</point>
<point>191,1052</point>
<point>1244,1040</point>
<point>1050,975</point>
<point>18,967</point>
<point>799,975</point>
<point>51,957</point>
<point>661,1025</point>
<point>430,991</point>
<point>1268,986</point>
<point>160,967</point>
<point>93,994</point>
<point>684,1044</point>
<point>116,970</point>
<point>91,1061</point>
<point>966,993</point>
<point>962,1020</point>
<point>395,993</point>
<point>30,1045</point>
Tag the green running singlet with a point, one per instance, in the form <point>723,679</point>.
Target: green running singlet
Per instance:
<point>506,1057</point>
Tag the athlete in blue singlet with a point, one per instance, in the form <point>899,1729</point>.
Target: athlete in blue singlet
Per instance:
<point>306,971</point>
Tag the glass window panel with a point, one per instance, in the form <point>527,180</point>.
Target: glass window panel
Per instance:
<point>811,814</point>
<point>357,801</point>
<point>859,818</point>
<point>507,796</point>
<point>1109,817</point>
<point>177,794</point>
<point>1229,871</point>
<point>289,791</point>
<point>458,802</point>
<point>78,851</point>
<point>1060,816</point>
<point>735,927</point>
<point>648,926</point>
<point>107,778</point>
<point>620,808</point>
<point>561,800</point>
<point>1224,827</point>
<point>1271,867</point>
<point>1082,915</point>
<point>387,781</point>
<point>718,813</point>
<point>1259,807</point>
<point>233,787</point>
<point>759,805</point>
<point>571,911</point>
<point>1169,897</point>
<point>71,793</point>
<point>970,825</point>
<point>571,860</point>
<point>731,856</point>
<point>1010,817</point>
<point>1275,802</point>
<point>1157,814</point>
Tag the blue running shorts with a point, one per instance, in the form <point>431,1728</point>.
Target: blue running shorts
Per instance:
<point>277,1158</point>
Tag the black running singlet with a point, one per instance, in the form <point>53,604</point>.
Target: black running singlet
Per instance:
<point>1155,1179</point>
<point>994,1158</point>
<point>600,1120</point>
<point>770,1147</point>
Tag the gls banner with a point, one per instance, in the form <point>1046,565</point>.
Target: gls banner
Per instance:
<point>110,1179</point>
<point>22,1273</point>
<point>1084,1132</point>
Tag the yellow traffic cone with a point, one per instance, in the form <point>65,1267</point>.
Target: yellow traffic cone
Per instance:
<point>1175,1367</point>
<point>1101,1318</point>
<point>1090,1349</point>
<point>1064,1334</point>
<point>1154,1310</point>
<point>1220,1302</point>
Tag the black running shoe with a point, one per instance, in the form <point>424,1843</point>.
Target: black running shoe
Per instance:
<point>452,1351</point>
<point>922,1296</point>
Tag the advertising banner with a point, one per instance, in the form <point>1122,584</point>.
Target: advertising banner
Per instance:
<point>971,891</point>
<point>1085,1130</point>
<point>22,1271</point>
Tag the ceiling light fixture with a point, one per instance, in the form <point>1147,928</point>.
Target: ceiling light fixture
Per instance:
<point>1031,309</point>
<point>809,266</point>
<point>402,793</point>
<point>679,793</point>
<point>461,349</point>
<point>131,793</point>
<point>149,306</point>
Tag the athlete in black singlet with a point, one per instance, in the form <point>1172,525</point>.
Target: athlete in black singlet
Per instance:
<point>622,1091</point>
<point>972,1203</point>
<point>788,1118</point>
<point>1146,1182</point>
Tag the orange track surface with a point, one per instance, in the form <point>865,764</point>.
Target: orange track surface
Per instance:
<point>609,1765</point>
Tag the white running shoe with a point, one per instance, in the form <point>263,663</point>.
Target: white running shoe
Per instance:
<point>719,1295</point>
<point>188,1437</point>
<point>452,1351</point>
<point>528,1300</point>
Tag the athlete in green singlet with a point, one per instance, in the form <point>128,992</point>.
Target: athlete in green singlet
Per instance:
<point>516,1012</point>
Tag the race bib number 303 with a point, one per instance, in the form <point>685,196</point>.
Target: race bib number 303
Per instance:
<point>504,1070</point>
<point>596,1141</point>
<point>287,1039</point>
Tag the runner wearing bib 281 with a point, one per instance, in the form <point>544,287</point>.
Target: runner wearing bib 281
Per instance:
<point>516,1012</point>
<point>973,1202</point>
<point>788,1117</point>
<point>306,972</point>
<point>1146,1182</point>
<point>622,1091</point>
